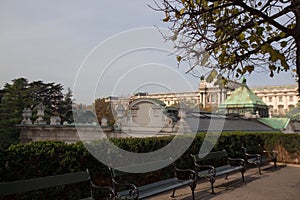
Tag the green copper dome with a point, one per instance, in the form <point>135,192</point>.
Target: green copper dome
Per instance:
<point>244,100</point>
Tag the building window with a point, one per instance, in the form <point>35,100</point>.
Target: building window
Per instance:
<point>281,110</point>
<point>291,98</point>
<point>280,99</point>
<point>270,99</point>
<point>291,107</point>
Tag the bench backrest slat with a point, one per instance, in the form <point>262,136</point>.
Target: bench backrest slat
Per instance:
<point>210,156</point>
<point>43,182</point>
<point>125,170</point>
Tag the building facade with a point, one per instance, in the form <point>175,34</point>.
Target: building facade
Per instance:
<point>280,99</point>
<point>209,94</point>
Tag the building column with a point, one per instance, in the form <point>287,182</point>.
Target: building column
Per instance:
<point>220,96</point>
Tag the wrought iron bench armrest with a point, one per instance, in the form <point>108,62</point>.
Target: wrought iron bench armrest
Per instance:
<point>192,173</point>
<point>241,161</point>
<point>133,192</point>
<point>111,193</point>
<point>204,166</point>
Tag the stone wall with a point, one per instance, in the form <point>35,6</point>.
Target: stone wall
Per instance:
<point>66,133</point>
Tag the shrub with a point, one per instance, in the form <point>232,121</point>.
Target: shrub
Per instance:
<point>37,159</point>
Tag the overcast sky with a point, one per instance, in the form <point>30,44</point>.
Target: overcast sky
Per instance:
<point>78,43</point>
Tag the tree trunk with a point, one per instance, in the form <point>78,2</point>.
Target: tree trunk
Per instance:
<point>298,62</point>
<point>296,35</point>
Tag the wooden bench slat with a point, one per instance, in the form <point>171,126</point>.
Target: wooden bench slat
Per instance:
<point>221,170</point>
<point>158,187</point>
<point>159,183</point>
<point>42,182</point>
<point>162,188</point>
<point>125,170</point>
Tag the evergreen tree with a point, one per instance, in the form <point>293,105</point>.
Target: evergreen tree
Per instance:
<point>21,94</point>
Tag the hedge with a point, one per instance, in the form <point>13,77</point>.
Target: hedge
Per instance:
<point>38,159</point>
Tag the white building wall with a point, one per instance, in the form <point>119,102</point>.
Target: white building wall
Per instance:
<point>280,98</point>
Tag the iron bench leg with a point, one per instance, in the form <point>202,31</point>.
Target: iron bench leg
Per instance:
<point>212,180</point>
<point>243,177</point>
<point>226,177</point>
<point>259,169</point>
<point>193,186</point>
<point>173,194</point>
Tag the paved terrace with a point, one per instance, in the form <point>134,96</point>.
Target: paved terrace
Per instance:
<point>282,183</point>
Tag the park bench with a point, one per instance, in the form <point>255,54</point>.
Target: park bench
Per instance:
<point>22,186</point>
<point>132,191</point>
<point>258,156</point>
<point>216,164</point>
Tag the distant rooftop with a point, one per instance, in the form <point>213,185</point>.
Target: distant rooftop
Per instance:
<point>275,87</point>
<point>214,122</point>
<point>276,123</point>
<point>243,96</point>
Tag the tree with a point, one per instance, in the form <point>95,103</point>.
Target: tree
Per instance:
<point>50,94</point>
<point>242,36</point>
<point>104,109</point>
<point>66,104</point>
<point>14,99</point>
<point>22,94</point>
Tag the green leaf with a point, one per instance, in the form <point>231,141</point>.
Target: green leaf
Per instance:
<point>211,76</point>
<point>246,18</point>
<point>291,26</point>
<point>178,58</point>
<point>241,36</point>
<point>235,11</point>
<point>269,28</point>
<point>282,34</point>
<point>182,11</point>
<point>271,74</point>
<point>239,71</point>
<point>260,30</point>
<point>218,33</point>
<point>249,68</point>
<point>283,44</point>
<point>192,3</point>
<point>272,67</point>
<point>166,19</point>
